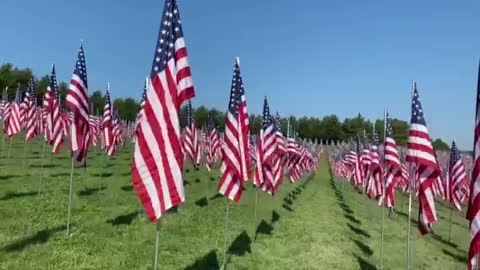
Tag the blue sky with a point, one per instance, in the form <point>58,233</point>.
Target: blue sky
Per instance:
<point>309,57</point>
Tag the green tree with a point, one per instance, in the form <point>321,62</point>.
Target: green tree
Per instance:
<point>440,145</point>
<point>97,101</point>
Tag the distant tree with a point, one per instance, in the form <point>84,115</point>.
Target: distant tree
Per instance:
<point>97,101</point>
<point>440,145</point>
<point>130,109</point>
<point>201,116</point>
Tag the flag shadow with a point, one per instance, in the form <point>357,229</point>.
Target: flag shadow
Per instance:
<point>90,191</point>
<point>286,207</point>
<point>202,202</point>
<point>40,237</point>
<point>241,245</point>
<point>263,228</point>
<point>126,219</point>
<point>358,231</point>
<point>459,258</point>
<point>126,188</point>
<point>15,195</point>
<point>364,248</point>
<point>209,261</point>
<point>364,265</point>
<point>216,196</point>
<point>7,177</point>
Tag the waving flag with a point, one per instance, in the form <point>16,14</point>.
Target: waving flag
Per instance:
<point>108,141</point>
<point>77,101</point>
<point>157,165</point>
<point>456,176</point>
<point>57,122</point>
<point>213,143</point>
<point>30,116</point>
<point>14,119</point>
<point>235,160</point>
<point>421,156</point>
<point>266,148</point>
<point>191,140</point>
<point>392,163</point>
<point>474,205</point>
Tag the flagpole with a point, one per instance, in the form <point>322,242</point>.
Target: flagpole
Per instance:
<point>226,236</point>
<point>409,200</point>
<point>43,163</point>
<point>70,199</point>
<point>383,188</point>
<point>155,266</point>
<point>24,153</point>
<point>255,219</point>
<point>9,147</point>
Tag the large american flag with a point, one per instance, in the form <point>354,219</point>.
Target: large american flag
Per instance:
<point>158,165</point>
<point>281,153</point>
<point>358,172</point>
<point>30,115</point>
<point>77,101</point>
<point>14,119</point>
<point>235,157</point>
<point>457,177</point>
<point>420,154</point>
<point>266,152</point>
<point>473,213</point>
<point>191,140</point>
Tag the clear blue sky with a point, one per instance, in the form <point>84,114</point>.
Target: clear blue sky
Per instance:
<point>309,57</point>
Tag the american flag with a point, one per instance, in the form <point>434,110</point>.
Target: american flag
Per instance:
<point>474,203</point>
<point>213,142</point>
<point>48,100</point>
<point>142,104</point>
<point>191,140</point>
<point>57,125</point>
<point>358,172</point>
<point>77,101</point>
<point>108,140</point>
<point>235,157</point>
<point>375,171</point>
<point>158,165</point>
<point>30,116</point>
<point>266,152</point>
<point>281,153</point>
<point>3,102</point>
<point>14,119</point>
<point>392,164</point>
<point>116,130</point>
<point>420,155</point>
<point>457,177</point>
<point>280,139</point>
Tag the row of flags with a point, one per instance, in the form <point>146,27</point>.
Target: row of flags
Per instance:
<point>414,169</point>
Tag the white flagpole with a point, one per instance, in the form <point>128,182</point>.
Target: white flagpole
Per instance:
<point>409,200</point>
<point>255,220</point>
<point>383,187</point>
<point>155,266</point>
<point>41,171</point>
<point>9,147</point>
<point>70,199</point>
<point>226,236</point>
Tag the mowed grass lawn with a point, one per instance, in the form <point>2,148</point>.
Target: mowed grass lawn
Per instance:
<point>317,223</point>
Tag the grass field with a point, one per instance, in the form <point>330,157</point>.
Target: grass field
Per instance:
<point>317,223</point>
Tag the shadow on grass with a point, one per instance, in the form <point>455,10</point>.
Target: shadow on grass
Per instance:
<point>459,258</point>
<point>263,228</point>
<point>90,191</point>
<point>197,180</point>
<point>443,241</point>
<point>126,188</point>
<point>7,177</point>
<point>126,219</point>
<point>16,195</point>
<point>400,213</point>
<point>44,166</point>
<point>288,201</point>
<point>216,196</point>
<point>104,174</point>
<point>241,245</point>
<point>39,238</point>
<point>358,231</point>
<point>63,174</point>
<point>186,182</point>
<point>126,174</point>
<point>345,208</point>
<point>275,217</point>
<point>364,248</point>
<point>352,219</point>
<point>363,264</point>
<point>173,210</point>
<point>202,202</point>
<point>212,178</point>
<point>456,223</point>
<point>286,207</point>
<point>208,261</point>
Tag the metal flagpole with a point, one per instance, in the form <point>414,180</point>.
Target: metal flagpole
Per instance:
<point>24,153</point>
<point>43,163</point>
<point>410,183</point>
<point>255,220</point>
<point>226,236</point>
<point>70,199</point>
<point>450,227</point>
<point>155,266</point>
<point>9,147</point>
<point>383,187</point>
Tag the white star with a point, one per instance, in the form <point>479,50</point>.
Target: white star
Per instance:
<point>177,29</point>
<point>159,50</point>
<point>155,68</point>
<point>171,45</point>
<point>161,41</point>
<point>157,59</point>
<point>163,32</point>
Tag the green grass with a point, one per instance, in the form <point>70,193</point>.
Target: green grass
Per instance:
<point>317,223</point>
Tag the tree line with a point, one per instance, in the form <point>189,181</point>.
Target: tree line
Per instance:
<point>329,128</point>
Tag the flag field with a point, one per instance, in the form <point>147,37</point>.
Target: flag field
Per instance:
<point>316,223</point>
